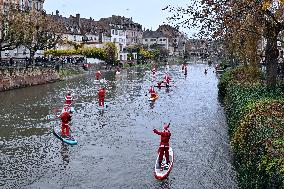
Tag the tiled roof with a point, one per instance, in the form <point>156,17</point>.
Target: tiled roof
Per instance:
<point>152,34</point>
<point>76,25</point>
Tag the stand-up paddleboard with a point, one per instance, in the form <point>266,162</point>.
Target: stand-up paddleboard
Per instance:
<point>152,99</point>
<point>105,107</point>
<point>162,86</point>
<point>165,169</point>
<point>69,140</point>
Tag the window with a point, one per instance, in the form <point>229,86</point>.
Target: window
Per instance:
<point>116,32</point>
<point>112,32</point>
<point>146,39</point>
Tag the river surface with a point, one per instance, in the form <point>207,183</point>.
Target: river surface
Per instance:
<point>116,148</point>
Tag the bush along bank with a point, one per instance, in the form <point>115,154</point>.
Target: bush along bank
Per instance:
<point>255,116</point>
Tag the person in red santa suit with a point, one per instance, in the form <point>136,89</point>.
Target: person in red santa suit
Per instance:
<point>98,75</point>
<point>101,95</point>
<point>68,98</point>
<point>167,80</point>
<point>65,120</point>
<point>164,144</point>
<point>152,92</point>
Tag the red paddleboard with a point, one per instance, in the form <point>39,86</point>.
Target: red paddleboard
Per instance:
<point>164,171</point>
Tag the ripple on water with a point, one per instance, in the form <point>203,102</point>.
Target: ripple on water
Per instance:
<point>117,148</point>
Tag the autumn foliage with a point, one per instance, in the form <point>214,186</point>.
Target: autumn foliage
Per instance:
<point>249,28</point>
<point>255,115</point>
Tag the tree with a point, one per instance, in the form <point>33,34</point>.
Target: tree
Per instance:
<point>244,21</point>
<point>111,53</point>
<point>11,34</point>
<point>40,32</point>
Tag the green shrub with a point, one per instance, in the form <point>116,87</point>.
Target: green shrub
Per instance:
<point>256,127</point>
<point>257,145</point>
<point>245,75</point>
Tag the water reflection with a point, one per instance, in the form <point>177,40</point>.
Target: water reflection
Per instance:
<point>65,154</point>
<point>152,104</point>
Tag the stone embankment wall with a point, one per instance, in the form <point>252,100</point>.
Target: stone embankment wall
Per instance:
<point>13,78</point>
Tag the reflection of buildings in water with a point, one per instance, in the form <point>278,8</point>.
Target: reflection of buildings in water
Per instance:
<point>65,154</point>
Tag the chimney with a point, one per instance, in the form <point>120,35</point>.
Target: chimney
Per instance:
<point>78,20</point>
<point>57,13</point>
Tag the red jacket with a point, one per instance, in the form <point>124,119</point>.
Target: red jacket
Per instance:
<point>167,78</point>
<point>102,93</point>
<point>165,137</point>
<point>65,117</point>
<point>98,75</point>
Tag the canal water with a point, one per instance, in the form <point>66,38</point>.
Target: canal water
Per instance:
<point>116,148</point>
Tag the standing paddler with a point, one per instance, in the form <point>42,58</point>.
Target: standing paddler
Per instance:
<point>152,92</point>
<point>98,75</point>
<point>101,95</point>
<point>68,98</point>
<point>65,127</point>
<point>167,80</point>
<point>164,144</point>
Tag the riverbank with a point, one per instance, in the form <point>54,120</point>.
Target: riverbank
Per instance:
<point>255,114</point>
<point>13,78</point>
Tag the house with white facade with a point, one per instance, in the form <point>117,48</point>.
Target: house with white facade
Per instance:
<point>123,32</point>
<point>118,36</point>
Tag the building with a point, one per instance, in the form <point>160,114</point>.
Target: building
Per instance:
<point>5,5</point>
<point>177,39</point>
<point>123,32</point>
<point>153,39</point>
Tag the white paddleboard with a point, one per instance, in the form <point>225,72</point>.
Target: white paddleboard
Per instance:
<point>165,169</point>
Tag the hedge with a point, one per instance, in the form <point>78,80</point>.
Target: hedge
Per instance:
<point>256,126</point>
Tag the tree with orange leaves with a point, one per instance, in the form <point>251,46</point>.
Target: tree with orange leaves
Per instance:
<point>244,22</point>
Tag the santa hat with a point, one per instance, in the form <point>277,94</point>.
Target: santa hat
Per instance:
<point>166,126</point>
